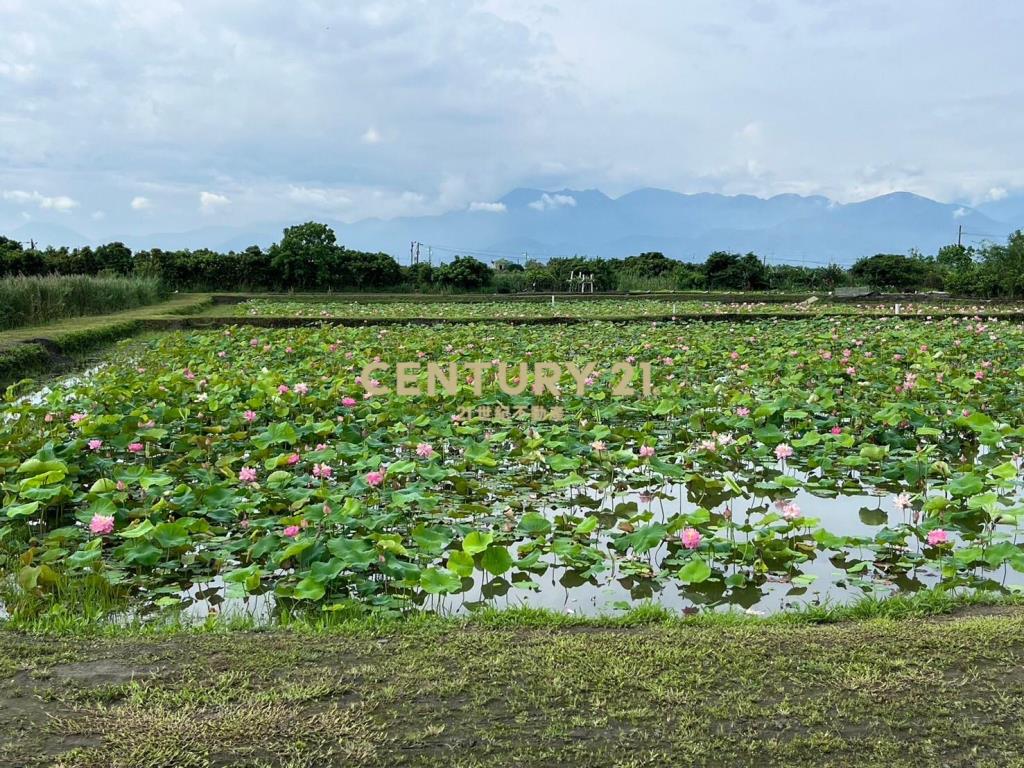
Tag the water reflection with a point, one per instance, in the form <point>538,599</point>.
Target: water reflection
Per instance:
<point>616,582</point>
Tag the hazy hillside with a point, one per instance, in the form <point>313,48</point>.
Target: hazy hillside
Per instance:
<point>543,223</point>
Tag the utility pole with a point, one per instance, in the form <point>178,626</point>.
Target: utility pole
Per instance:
<point>412,246</point>
<point>959,235</point>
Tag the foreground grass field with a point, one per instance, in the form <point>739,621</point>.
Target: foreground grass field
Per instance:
<point>942,690</point>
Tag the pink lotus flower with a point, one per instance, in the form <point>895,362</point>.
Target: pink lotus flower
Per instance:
<point>292,531</point>
<point>348,402</point>
<point>902,502</point>
<point>95,445</point>
<point>790,511</point>
<point>690,538</point>
<point>77,417</point>
<point>136,447</point>
<point>599,446</point>
<point>48,418</point>
<point>250,416</point>
<point>375,478</point>
<point>121,485</point>
<point>424,450</point>
<point>646,451</point>
<point>302,388</point>
<point>101,525</point>
<point>247,475</point>
<point>937,538</point>
<point>283,389</point>
<point>188,374</point>
<point>322,471</point>
<point>837,430</point>
<point>294,459</point>
<point>742,411</point>
<point>783,451</point>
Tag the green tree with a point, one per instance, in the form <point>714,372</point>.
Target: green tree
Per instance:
<point>650,264</point>
<point>114,257</point>
<point>1003,267</point>
<point>17,260</point>
<point>370,270</point>
<point>891,271</point>
<point>464,272</point>
<point>689,277</point>
<point>730,271</point>
<point>306,256</point>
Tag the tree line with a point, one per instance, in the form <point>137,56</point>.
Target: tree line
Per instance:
<point>309,258</point>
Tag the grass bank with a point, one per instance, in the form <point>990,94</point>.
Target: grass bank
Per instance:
<point>35,300</point>
<point>525,689</point>
<point>57,346</point>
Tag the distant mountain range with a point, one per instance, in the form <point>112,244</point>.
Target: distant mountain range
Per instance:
<point>786,228</point>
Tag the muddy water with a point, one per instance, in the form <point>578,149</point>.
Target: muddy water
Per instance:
<point>619,587</point>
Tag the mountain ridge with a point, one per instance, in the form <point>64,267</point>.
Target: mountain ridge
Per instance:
<point>542,223</point>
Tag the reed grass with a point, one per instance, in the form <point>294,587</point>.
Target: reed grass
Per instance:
<point>37,300</point>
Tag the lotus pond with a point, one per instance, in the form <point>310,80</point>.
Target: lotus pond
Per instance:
<point>776,462</point>
<point>587,308</point>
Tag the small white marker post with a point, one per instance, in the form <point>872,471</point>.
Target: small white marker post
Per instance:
<point>896,309</point>
<point>552,300</point>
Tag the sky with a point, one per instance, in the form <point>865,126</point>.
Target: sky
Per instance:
<point>128,117</point>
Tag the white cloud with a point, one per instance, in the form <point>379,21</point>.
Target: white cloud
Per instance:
<point>488,207</point>
<point>140,203</point>
<point>98,215</point>
<point>959,213</point>
<point>210,201</point>
<point>491,92</point>
<point>61,203</point>
<point>17,72</point>
<point>321,197</point>
<point>750,132</point>
<point>548,202</point>
<point>996,193</point>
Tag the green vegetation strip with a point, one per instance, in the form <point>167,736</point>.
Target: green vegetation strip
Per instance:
<point>524,691</point>
<point>48,348</point>
<point>34,300</point>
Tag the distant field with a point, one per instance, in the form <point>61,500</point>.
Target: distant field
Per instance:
<point>589,308</point>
